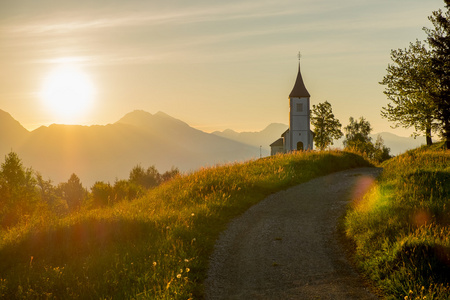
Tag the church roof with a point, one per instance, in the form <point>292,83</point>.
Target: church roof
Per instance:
<point>279,143</point>
<point>299,90</point>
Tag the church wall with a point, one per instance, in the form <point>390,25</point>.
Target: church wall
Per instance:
<point>299,123</point>
<point>301,136</point>
<point>287,142</point>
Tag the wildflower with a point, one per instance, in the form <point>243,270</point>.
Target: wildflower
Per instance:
<point>187,270</point>
<point>181,270</point>
<point>178,276</point>
<point>192,214</point>
<point>154,263</point>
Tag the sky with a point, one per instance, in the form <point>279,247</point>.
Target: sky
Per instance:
<point>213,64</point>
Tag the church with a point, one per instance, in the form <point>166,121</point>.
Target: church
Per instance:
<point>298,136</point>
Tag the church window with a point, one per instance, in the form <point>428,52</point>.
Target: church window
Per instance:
<point>299,107</point>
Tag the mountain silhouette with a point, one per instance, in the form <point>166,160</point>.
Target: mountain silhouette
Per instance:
<point>109,152</point>
<point>262,138</point>
<point>397,144</point>
<point>12,134</point>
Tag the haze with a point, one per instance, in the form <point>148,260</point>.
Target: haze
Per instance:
<point>214,65</point>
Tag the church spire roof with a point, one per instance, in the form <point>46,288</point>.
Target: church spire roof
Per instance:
<point>299,90</point>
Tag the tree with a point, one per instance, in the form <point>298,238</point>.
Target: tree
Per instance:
<point>326,126</point>
<point>18,183</point>
<point>439,40</point>
<point>410,84</point>
<point>381,152</point>
<point>168,175</point>
<point>357,132</point>
<point>73,192</point>
<point>123,189</point>
<point>49,196</point>
<point>146,178</point>
<point>18,193</point>
<point>357,137</point>
<point>102,193</point>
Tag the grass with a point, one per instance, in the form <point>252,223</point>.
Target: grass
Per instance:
<point>401,228</point>
<point>154,247</point>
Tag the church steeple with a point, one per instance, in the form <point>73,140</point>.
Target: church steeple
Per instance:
<point>299,90</point>
<point>299,136</point>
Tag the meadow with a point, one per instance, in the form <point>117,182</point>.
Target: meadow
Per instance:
<point>153,247</point>
<point>401,228</point>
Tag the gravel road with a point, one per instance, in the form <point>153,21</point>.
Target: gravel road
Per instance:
<point>287,247</point>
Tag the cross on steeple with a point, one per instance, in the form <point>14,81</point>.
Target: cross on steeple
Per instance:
<point>299,55</point>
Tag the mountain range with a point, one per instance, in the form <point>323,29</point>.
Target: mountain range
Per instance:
<point>109,152</point>
<point>397,144</point>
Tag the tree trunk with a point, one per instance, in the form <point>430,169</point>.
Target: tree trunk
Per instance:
<point>428,135</point>
<point>447,133</point>
<point>447,136</point>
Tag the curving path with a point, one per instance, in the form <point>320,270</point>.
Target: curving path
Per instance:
<point>286,246</point>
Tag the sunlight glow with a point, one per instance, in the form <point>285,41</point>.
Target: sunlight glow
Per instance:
<point>68,92</point>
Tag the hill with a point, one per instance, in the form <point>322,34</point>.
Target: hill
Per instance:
<point>262,138</point>
<point>12,134</point>
<point>397,144</point>
<point>401,228</point>
<point>108,152</point>
<point>154,247</point>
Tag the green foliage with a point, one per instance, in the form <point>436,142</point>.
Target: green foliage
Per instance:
<point>102,193</point>
<point>401,229</point>
<point>73,192</point>
<point>410,84</point>
<point>439,40</point>
<point>18,193</point>
<point>326,126</point>
<point>147,178</point>
<point>154,247</point>
<point>357,139</point>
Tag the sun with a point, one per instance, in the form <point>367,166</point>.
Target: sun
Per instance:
<point>67,92</point>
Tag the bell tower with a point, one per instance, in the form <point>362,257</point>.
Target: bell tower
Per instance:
<point>300,136</point>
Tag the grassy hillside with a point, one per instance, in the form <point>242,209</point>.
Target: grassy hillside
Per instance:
<point>156,246</point>
<point>402,227</point>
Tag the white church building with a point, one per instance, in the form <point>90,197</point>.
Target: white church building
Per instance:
<point>298,136</point>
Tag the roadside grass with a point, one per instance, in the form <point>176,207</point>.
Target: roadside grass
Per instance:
<point>401,228</point>
<point>154,247</point>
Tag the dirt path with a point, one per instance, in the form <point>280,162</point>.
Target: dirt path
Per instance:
<point>286,246</point>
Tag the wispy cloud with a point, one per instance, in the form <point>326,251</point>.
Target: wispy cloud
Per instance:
<point>220,13</point>
<point>106,39</point>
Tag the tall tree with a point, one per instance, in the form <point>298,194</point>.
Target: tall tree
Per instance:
<point>326,126</point>
<point>410,84</point>
<point>439,40</point>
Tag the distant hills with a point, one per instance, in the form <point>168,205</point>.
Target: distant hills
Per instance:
<point>104,153</point>
<point>259,138</point>
<point>397,144</point>
<point>109,152</point>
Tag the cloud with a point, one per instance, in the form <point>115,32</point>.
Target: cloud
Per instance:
<point>229,31</point>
